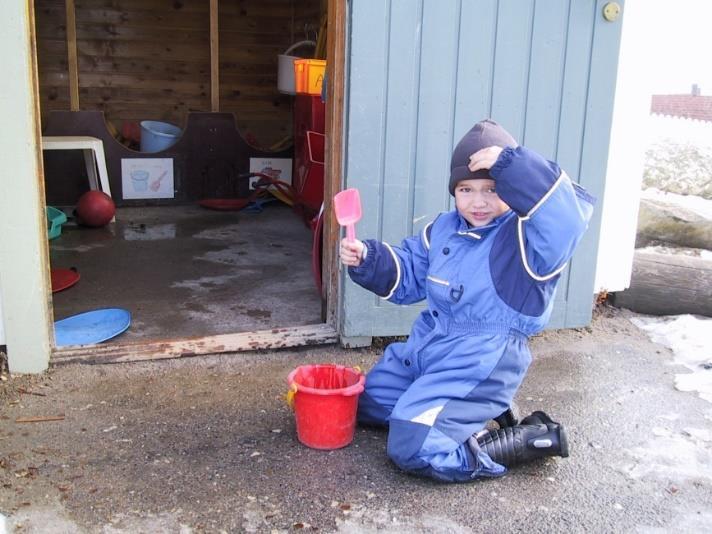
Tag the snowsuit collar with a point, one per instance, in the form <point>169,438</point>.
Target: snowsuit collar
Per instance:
<point>464,227</point>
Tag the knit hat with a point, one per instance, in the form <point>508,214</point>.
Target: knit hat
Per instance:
<point>483,134</point>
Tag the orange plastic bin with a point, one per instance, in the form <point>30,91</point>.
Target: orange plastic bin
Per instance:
<point>309,76</point>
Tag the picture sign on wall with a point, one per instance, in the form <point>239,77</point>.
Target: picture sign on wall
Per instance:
<point>147,178</point>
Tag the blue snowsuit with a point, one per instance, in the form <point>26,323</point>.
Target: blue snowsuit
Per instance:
<point>487,289</point>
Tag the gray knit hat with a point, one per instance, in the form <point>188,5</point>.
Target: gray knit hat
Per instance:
<point>483,134</point>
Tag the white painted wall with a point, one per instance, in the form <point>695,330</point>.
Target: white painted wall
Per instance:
<point>2,324</point>
<point>24,271</point>
<point>664,50</point>
<point>619,219</point>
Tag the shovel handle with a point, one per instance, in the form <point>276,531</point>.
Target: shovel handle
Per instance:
<point>350,233</point>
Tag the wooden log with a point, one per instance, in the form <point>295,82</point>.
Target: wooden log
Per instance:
<point>673,223</point>
<point>668,284</point>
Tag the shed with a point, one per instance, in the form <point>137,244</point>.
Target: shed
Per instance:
<point>404,81</point>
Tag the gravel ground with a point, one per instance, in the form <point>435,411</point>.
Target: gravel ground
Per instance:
<point>207,444</point>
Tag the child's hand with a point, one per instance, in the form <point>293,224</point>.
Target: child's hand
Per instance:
<point>484,158</point>
<point>351,252</point>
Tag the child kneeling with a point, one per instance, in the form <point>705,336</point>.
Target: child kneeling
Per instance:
<point>488,271</point>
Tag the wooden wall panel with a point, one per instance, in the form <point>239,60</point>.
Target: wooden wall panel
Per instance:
<point>150,59</point>
<point>421,73</point>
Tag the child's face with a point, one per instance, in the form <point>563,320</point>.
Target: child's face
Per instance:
<point>477,202</point>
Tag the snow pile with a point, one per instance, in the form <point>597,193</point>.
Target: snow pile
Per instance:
<point>691,342</point>
<point>682,168</point>
<point>677,456</point>
<point>694,252</point>
<point>678,157</point>
<point>673,456</point>
<point>700,206</point>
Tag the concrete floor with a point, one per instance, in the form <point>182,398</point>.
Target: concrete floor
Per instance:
<point>187,271</point>
<point>207,445</point>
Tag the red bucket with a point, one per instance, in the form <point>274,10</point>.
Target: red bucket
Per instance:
<point>325,403</point>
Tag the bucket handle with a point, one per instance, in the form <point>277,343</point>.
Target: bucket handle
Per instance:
<point>297,45</point>
<point>289,397</point>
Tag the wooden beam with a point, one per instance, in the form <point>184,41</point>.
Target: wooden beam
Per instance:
<point>275,338</point>
<point>668,284</point>
<point>73,64</point>
<point>214,58</point>
<point>333,168</point>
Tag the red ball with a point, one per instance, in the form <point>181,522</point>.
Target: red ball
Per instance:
<point>95,208</point>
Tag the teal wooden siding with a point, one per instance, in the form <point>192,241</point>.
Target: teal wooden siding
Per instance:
<point>422,72</point>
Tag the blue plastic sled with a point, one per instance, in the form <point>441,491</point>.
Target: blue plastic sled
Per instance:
<point>91,327</point>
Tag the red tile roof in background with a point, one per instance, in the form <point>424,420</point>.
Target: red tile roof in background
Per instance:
<point>688,106</point>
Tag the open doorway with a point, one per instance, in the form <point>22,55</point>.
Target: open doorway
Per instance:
<point>194,280</point>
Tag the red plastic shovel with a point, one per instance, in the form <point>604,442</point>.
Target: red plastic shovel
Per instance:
<point>347,206</point>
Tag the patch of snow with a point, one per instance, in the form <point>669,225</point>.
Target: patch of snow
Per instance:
<point>697,204</point>
<point>162,523</point>
<point>675,457</point>
<point>686,521</point>
<point>689,338</point>
<point>679,155</point>
<point>678,251</point>
<point>368,521</point>
<point>42,521</point>
<point>55,520</point>
<point>670,416</point>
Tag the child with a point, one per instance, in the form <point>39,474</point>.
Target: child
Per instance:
<point>488,270</point>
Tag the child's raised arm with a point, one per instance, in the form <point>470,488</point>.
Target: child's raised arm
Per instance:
<point>553,211</point>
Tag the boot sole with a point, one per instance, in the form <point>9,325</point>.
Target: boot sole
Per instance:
<point>563,443</point>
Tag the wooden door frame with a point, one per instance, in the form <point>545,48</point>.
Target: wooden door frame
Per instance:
<point>334,151</point>
<point>323,333</point>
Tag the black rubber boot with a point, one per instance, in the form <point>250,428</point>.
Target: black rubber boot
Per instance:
<point>509,417</point>
<point>506,419</point>
<point>537,418</point>
<point>537,436</point>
